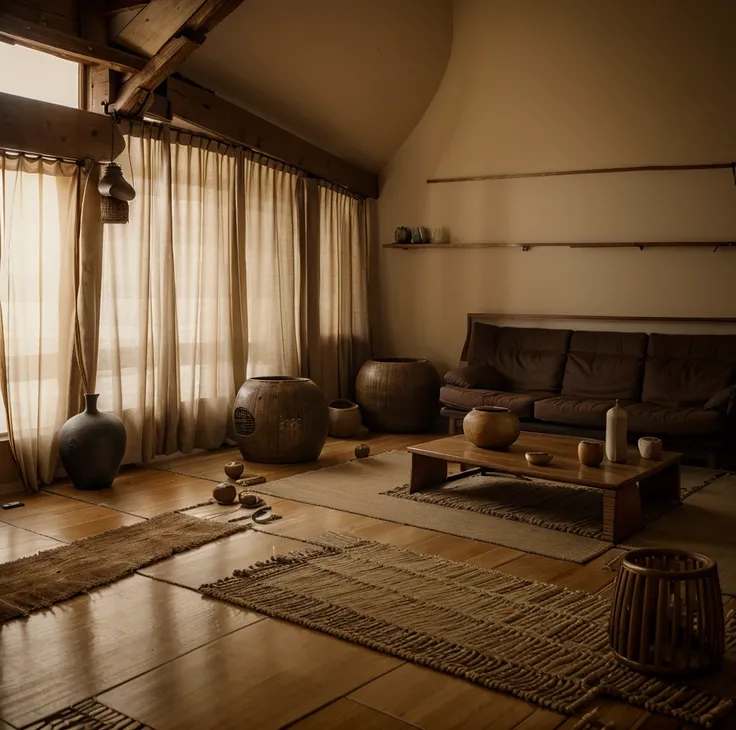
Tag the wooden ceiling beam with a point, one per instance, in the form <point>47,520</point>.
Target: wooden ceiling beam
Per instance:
<point>28,125</point>
<point>136,92</point>
<point>186,102</point>
<point>67,45</point>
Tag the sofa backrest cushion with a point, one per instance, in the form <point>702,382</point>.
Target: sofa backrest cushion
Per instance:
<point>605,365</point>
<point>529,359</point>
<point>687,370</point>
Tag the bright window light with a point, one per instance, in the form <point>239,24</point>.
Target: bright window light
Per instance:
<point>37,75</point>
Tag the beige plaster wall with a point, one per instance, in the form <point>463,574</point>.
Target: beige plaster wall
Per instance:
<point>537,85</point>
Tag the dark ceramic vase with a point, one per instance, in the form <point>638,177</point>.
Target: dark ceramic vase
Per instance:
<point>92,445</point>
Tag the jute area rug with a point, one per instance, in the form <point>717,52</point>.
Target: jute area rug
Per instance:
<point>51,576</point>
<point>541,643</point>
<point>365,487</point>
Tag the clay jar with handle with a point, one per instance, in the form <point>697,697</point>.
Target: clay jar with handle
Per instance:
<point>491,428</point>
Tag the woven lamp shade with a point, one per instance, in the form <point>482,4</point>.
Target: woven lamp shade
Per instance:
<point>113,210</point>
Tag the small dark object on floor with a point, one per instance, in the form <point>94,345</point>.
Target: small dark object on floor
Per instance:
<point>362,450</point>
<point>234,469</point>
<point>249,500</point>
<point>225,493</point>
<point>13,505</point>
<point>251,480</point>
<point>264,515</point>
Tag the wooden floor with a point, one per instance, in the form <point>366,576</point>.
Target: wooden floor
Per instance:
<point>151,647</point>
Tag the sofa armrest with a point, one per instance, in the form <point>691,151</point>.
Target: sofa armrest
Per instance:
<point>476,376</point>
<point>724,400</point>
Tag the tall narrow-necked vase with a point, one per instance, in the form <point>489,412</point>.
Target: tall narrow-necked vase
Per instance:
<point>616,427</point>
<point>92,445</point>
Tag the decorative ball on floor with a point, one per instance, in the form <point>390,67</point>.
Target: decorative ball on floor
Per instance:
<point>225,493</point>
<point>247,499</point>
<point>234,469</point>
<point>362,450</point>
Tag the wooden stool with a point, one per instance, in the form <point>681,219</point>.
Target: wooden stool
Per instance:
<point>667,614</point>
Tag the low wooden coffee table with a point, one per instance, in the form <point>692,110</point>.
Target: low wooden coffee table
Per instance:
<point>623,485</point>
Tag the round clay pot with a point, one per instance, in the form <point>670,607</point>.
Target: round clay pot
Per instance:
<point>344,418</point>
<point>234,469</point>
<point>398,394</point>
<point>491,428</point>
<point>280,420</point>
<point>92,445</point>
<point>590,453</point>
<point>650,447</point>
<point>225,493</point>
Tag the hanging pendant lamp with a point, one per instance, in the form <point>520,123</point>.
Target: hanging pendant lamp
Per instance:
<point>115,190</point>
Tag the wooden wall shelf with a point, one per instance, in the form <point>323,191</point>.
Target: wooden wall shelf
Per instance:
<point>526,246</point>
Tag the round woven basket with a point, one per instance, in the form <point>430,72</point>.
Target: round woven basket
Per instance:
<point>398,394</point>
<point>667,614</point>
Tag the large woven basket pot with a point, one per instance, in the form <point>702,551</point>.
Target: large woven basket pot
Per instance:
<point>280,420</point>
<point>398,395</point>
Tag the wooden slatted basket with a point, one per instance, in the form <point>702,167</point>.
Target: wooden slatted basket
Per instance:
<point>667,613</point>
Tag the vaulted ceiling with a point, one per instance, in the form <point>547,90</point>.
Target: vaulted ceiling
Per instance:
<point>352,76</point>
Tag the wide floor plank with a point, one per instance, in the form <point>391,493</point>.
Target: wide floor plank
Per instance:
<point>263,676</point>
<point>93,642</point>
<point>435,701</point>
<point>345,714</point>
<point>16,543</point>
<point>219,559</point>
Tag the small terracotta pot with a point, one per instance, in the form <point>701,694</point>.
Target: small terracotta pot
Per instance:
<point>650,447</point>
<point>491,428</point>
<point>345,418</point>
<point>590,453</point>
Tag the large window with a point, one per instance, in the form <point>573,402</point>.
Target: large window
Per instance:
<point>35,75</point>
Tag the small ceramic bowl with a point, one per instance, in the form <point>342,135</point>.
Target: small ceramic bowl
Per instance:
<point>538,458</point>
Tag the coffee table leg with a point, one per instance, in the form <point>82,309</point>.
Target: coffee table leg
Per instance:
<point>622,515</point>
<point>664,485</point>
<point>426,472</point>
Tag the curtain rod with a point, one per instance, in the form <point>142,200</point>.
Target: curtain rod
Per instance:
<point>229,143</point>
<point>590,171</point>
<point>51,158</point>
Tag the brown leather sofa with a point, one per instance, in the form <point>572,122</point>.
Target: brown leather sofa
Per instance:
<point>681,388</point>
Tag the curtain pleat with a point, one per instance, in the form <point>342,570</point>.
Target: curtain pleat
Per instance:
<point>38,230</point>
<point>337,332</point>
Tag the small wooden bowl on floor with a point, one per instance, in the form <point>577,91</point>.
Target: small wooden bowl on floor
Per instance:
<point>667,616</point>
<point>538,458</point>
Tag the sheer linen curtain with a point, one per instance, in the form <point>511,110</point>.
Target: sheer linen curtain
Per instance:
<point>270,265</point>
<point>336,332</point>
<point>165,356</point>
<point>38,240</point>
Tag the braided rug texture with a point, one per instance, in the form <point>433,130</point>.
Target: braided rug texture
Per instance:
<point>539,642</point>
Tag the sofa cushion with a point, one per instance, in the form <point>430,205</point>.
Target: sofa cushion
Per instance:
<point>722,399</point>
<point>688,370</point>
<point>466,399</point>
<point>573,411</point>
<point>653,419</point>
<point>530,359</point>
<point>476,376</point>
<point>605,365</point>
